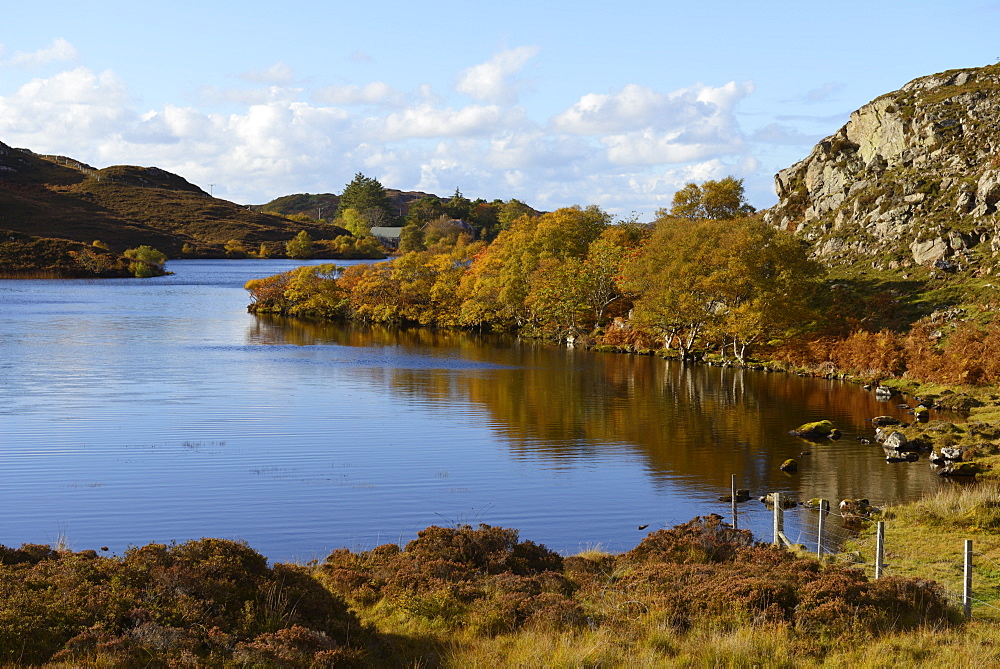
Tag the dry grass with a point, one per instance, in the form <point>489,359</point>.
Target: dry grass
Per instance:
<point>925,539</point>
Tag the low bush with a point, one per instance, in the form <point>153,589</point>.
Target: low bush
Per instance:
<point>195,602</point>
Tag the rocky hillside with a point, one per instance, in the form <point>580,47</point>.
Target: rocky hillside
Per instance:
<point>912,179</point>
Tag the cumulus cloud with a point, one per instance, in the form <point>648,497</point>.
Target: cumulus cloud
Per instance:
<point>427,121</point>
<point>640,126</point>
<point>630,148</point>
<point>496,80</point>
<point>637,106</point>
<point>46,114</point>
<point>61,50</point>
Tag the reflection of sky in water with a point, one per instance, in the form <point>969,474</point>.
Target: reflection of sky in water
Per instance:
<point>160,410</point>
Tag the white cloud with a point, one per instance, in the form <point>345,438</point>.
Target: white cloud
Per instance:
<point>426,121</point>
<point>637,107</point>
<point>64,110</point>
<point>495,80</point>
<point>628,149</point>
<point>61,50</point>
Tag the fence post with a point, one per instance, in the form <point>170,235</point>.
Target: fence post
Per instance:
<point>967,586</point>
<point>779,518</point>
<point>736,522</point>
<point>819,535</point>
<point>879,549</point>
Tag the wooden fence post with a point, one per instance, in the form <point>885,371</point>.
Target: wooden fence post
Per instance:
<point>736,522</point>
<point>879,549</point>
<point>779,518</point>
<point>967,586</point>
<point>819,534</point>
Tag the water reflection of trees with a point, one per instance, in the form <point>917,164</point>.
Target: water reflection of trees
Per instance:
<point>691,422</point>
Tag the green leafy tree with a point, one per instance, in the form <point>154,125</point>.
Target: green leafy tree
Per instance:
<point>366,196</point>
<point>235,249</point>
<point>458,206</point>
<point>424,210</point>
<point>301,246</point>
<point>484,217</point>
<point>145,261</point>
<point>411,238</point>
<point>352,221</point>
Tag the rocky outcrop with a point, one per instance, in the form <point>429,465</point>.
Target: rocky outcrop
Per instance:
<point>912,178</point>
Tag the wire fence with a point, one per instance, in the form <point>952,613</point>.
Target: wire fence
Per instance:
<point>968,577</point>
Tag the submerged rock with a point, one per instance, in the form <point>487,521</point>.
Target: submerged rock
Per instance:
<point>882,421</point>
<point>742,495</point>
<point>786,501</point>
<point>857,508</point>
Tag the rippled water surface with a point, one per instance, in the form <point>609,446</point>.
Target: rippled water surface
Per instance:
<point>134,411</point>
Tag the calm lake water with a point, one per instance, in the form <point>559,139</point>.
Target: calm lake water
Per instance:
<point>159,410</point>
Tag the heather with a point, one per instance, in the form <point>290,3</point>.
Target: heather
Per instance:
<point>456,596</point>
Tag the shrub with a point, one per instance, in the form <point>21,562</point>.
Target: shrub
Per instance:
<point>492,550</point>
<point>705,539</point>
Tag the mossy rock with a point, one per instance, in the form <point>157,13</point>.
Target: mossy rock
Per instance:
<point>789,466</point>
<point>962,469</point>
<point>818,430</point>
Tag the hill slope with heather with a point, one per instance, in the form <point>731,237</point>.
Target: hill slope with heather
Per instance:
<point>59,199</point>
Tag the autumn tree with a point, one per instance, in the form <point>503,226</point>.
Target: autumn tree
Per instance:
<point>500,281</point>
<point>738,281</point>
<point>671,277</point>
<point>766,279</point>
<point>717,200</point>
<point>301,246</point>
<point>510,211</point>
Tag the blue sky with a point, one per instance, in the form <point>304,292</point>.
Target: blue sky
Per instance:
<point>552,103</point>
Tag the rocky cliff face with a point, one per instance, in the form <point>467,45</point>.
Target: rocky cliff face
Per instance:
<point>912,179</point>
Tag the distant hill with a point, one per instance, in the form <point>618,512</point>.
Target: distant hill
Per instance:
<point>324,205</point>
<point>58,198</point>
